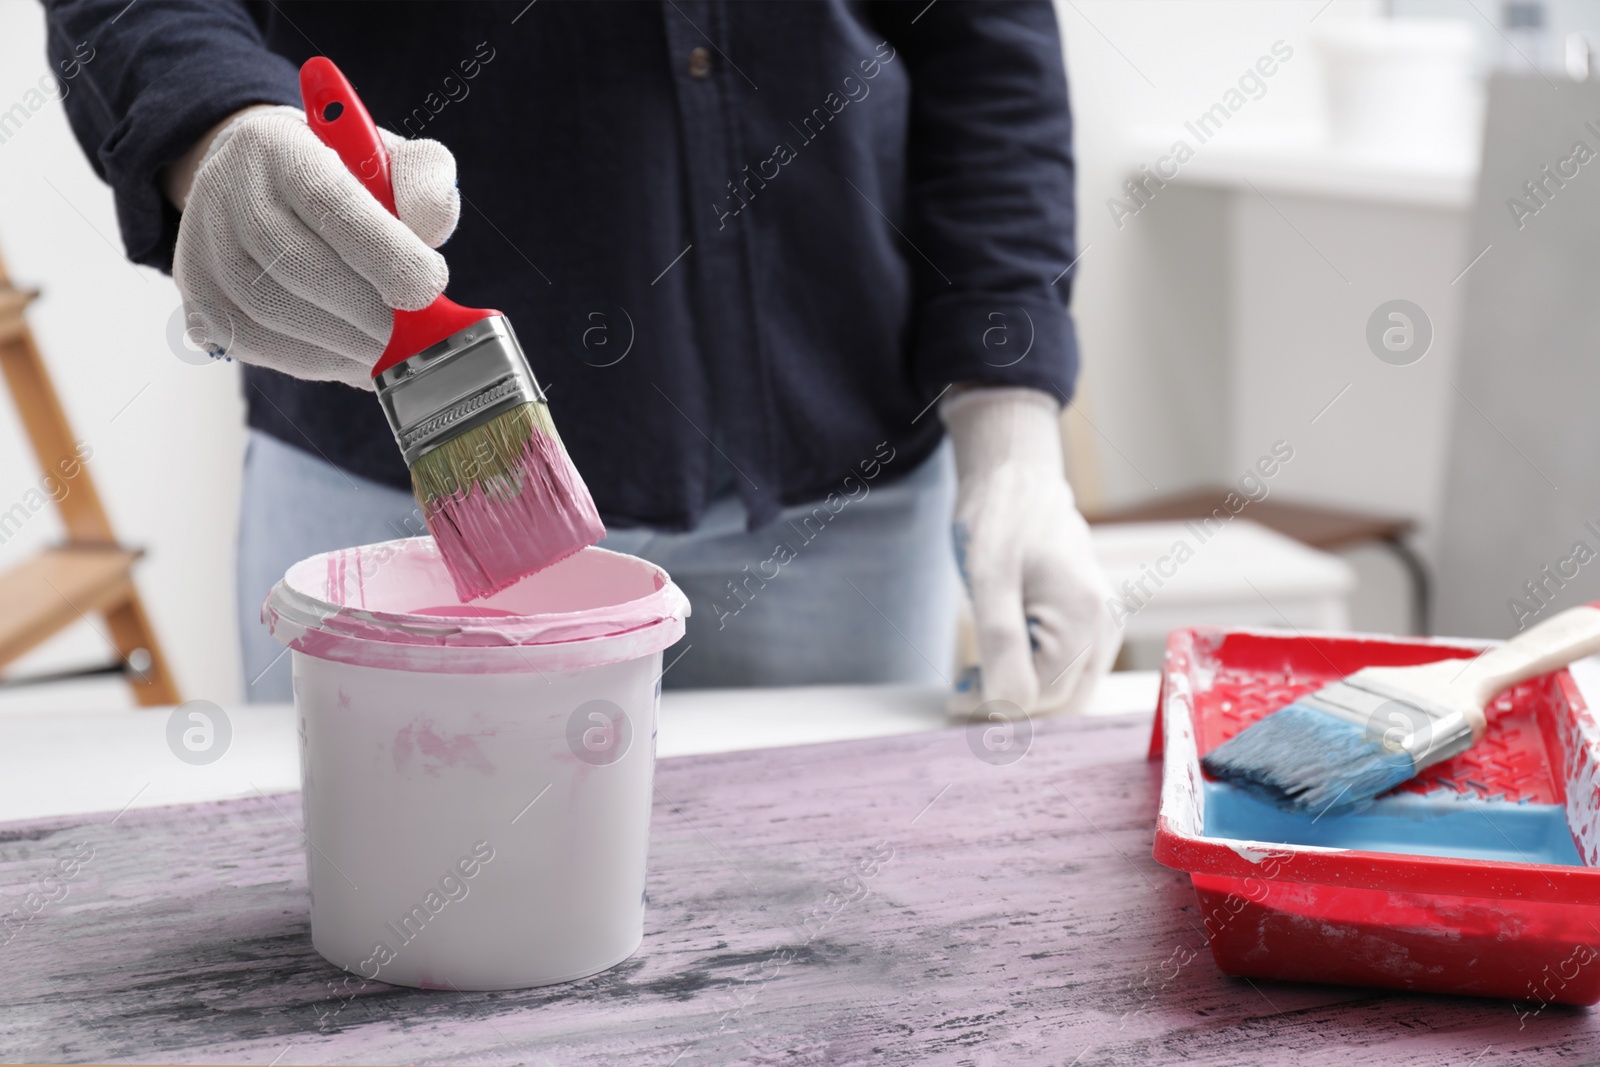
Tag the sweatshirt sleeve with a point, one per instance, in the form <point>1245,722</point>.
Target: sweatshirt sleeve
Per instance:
<point>990,193</point>
<point>143,81</point>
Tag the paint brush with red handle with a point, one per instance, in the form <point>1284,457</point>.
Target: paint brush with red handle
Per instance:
<point>498,491</point>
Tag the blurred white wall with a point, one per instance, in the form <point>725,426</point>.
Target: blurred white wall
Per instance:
<point>1158,344</point>
<point>1153,334</point>
<point>1228,312</point>
<point>167,436</point>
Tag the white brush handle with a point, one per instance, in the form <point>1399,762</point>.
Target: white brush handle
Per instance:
<point>1470,685</point>
<point>1548,647</point>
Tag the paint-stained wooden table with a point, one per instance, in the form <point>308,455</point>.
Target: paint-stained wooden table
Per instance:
<point>896,901</point>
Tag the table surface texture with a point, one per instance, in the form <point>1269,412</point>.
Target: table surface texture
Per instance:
<point>896,900</point>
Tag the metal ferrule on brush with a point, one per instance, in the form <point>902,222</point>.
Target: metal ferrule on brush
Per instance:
<point>464,381</point>
<point>1427,731</point>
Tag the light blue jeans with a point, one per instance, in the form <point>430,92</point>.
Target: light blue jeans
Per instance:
<point>862,588</point>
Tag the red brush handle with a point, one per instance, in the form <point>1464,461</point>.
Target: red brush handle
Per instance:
<point>339,119</point>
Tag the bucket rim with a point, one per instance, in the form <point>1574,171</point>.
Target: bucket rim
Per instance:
<point>316,625</point>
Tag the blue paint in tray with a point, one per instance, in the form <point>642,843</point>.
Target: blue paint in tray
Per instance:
<point>1440,824</point>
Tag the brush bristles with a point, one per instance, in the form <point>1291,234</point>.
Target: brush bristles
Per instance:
<point>489,456</point>
<point>503,500</point>
<point>1307,760</point>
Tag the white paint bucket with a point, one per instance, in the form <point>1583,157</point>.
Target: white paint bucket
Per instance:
<point>477,779</point>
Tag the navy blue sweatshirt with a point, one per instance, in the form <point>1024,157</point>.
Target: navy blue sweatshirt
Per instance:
<point>781,227</point>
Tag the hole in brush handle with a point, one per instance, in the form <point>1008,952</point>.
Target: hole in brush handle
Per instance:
<point>339,119</point>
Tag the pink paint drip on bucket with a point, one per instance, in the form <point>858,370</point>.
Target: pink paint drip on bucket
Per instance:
<point>476,778</point>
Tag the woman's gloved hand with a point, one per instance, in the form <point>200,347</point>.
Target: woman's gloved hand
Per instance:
<point>285,261</point>
<point>1039,598</point>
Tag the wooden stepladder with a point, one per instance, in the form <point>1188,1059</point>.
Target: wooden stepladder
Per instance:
<point>88,574</point>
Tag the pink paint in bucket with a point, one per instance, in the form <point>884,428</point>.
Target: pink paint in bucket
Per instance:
<point>477,778</point>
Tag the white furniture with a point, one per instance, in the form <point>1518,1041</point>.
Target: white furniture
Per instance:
<point>1168,575</point>
<point>1268,254</point>
<point>1302,163</point>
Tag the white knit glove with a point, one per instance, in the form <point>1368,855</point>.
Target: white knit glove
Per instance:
<point>285,261</point>
<point>1039,599</point>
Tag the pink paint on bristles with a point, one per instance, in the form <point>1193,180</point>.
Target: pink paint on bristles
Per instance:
<point>539,514</point>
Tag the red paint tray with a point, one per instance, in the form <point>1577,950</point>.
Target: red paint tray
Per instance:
<point>1522,930</point>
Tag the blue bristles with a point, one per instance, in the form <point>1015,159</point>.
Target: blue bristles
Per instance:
<point>1308,760</point>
